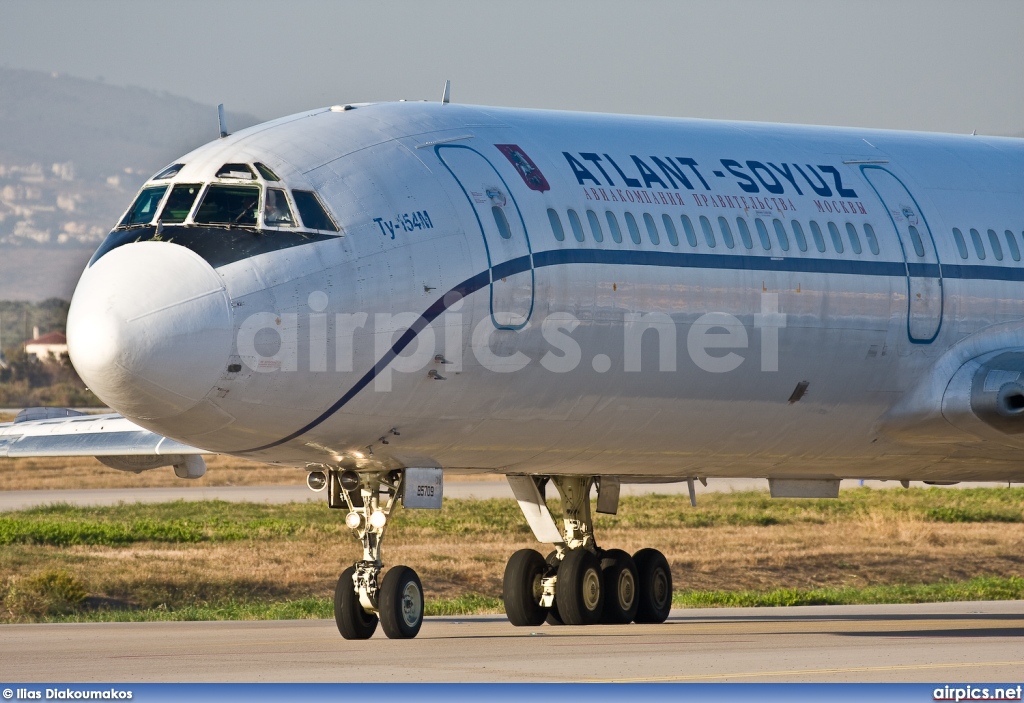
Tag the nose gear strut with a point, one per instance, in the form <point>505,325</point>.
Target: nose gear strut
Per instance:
<point>361,597</point>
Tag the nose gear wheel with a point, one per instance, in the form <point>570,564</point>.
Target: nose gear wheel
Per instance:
<point>353,622</point>
<point>401,603</point>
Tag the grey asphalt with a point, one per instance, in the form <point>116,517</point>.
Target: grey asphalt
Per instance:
<point>20,500</point>
<point>942,642</point>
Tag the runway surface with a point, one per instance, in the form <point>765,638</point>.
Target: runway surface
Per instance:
<point>20,500</point>
<point>944,642</point>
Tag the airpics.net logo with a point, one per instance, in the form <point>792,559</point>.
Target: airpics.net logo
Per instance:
<point>407,343</point>
<point>977,693</point>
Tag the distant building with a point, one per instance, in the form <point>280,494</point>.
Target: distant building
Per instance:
<point>53,344</point>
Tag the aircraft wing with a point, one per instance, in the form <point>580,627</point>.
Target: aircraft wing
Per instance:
<point>112,439</point>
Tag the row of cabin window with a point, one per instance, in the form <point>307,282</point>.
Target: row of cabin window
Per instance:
<point>724,228</point>
<point>993,239</point>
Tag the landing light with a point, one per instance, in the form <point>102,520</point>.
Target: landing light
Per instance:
<point>316,480</point>
<point>378,519</point>
<point>353,520</point>
<point>349,480</point>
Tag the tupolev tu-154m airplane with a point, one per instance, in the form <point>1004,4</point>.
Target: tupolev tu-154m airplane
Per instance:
<point>379,292</point>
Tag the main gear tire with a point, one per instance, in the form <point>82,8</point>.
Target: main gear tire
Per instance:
<point>620,587</point>
<point>655,586</point>
<point>522,588</point>
<point>553,617</point>
<point>579,591</point>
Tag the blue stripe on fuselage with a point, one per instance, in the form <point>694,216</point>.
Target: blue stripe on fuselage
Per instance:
<point>727,262</point>
<point>467,287</point>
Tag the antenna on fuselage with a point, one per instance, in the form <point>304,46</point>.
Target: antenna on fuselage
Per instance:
<point>222,123</point>
<point>446,96</point>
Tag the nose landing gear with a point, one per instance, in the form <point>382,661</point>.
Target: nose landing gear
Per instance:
<point>579,583</point>
<point>354,622</point>
<point>361,599</point>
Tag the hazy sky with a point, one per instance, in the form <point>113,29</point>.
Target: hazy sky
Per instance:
<point>912,64</point>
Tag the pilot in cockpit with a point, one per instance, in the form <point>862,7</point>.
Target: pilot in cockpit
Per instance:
<point>276,212</point>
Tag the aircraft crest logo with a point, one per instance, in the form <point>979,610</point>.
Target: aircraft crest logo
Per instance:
<point>531,175</point>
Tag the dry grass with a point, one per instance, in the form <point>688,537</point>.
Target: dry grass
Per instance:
<point>759,558</point>
<point>866,540</point>
<point>86,472</point>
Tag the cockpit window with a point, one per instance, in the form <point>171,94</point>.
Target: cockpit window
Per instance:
<point>276,211</point>
<point>312,211</point>
<point>169,172</point>
<point>265,171</point>
<point>241,171</point>
<point>179,202</point>
<point>142,210</point>
<point>229,205</point>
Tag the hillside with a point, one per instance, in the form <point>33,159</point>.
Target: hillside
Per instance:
<point>72,154</point>
<point>102,129</point>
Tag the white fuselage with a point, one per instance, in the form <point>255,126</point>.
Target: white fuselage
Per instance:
<point>531,353</point>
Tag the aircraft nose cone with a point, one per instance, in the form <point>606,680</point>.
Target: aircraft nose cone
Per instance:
<point>149,329</point>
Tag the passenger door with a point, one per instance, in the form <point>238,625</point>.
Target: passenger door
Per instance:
<point>924,271</point>
<point>503,230</point>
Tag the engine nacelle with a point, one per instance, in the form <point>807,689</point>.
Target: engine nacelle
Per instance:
<point>986,394</point>
<point>185,465</point>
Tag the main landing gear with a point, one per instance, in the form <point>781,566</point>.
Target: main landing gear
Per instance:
<point>579,583</point>
<point>361,598</point>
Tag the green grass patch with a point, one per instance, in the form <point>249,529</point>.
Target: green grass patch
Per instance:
<point>970,513</point>
<point>218,521</point>
<point>469,604</point>
<point>981,588</point>
<point>184,522</point>
<point>177,523</point>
